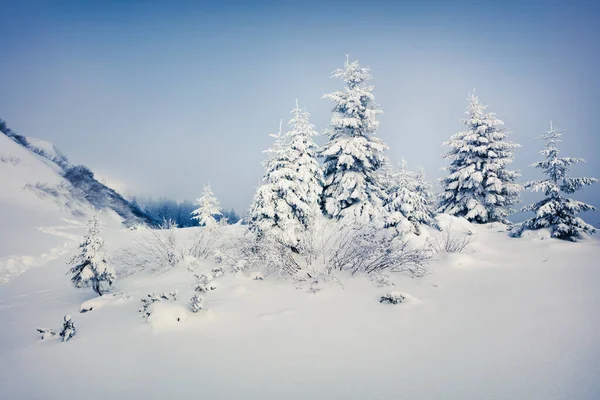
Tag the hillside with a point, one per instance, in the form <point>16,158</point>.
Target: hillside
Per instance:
<point>43,198</point>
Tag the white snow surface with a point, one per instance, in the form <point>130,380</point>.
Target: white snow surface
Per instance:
<point>508,319</point>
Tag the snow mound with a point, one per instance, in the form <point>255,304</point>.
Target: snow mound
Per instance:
<point>165,315</point>
<point>101,301</point>
<point>458,224</point>
<point>540,234</point>
<point>190,263</point>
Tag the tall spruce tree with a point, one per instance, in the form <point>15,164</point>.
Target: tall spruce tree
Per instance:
<point>556,211</point>
<point>90,267</point>
<point>276,204</point>
<point>479,186</point>
<point>303,156</point>
<point>208,208</point>
<point>353,155</point>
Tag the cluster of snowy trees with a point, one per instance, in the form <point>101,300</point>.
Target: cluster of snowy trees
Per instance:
<point>356,181</point>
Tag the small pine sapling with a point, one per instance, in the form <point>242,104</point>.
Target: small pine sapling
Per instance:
<point>68,329</point>
<point>90,267</point>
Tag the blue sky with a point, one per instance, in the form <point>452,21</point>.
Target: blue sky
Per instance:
<point>166,96</point>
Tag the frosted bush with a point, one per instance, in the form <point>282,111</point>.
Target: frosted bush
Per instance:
<point>46,333</point>
<point>452,241</point>
<point>392,298</point>
<point>205,242</point>
<point>369,249</point>
<point>160,250</point>
<point>265,254</point>
<point>196,303</point>
<point>381,280</point>
<point>152,298</point>
<point>155,250</point>
<point>217,272</point>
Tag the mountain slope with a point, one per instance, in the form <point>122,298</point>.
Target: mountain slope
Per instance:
<point>43,199</point>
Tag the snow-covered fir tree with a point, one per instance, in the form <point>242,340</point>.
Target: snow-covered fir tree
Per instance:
<point>68,330</point>
<point>556,211</point>
<point>409,196</point>
<point>208,208</point>
<point>353,155</point>
<point>303,155</point>
<point>479,186</point>
<point>286,204</point>
<point>90,267</point>
<point>425,208</point>
<point>394,217</point>
<point>276,203</point>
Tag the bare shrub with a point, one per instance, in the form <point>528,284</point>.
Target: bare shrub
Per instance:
<point>369,249</point>
<point>264,254</point>
<point>204,243</point>
<point>158,250</point>
<point>10,159</point>
<point>452,241</point>
<point>153,250</point>
<point>313,280</point>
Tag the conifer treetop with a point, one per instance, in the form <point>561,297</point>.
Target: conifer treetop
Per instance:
<point>208,208</point>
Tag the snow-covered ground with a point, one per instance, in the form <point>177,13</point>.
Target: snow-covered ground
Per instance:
<point>508,319</point>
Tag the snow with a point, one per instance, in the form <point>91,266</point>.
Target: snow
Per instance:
<point>509,319</point>
<point>165,315</point>
<point>48,150</point>
<point>101,301</point>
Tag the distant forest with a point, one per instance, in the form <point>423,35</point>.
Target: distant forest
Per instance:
<point>178,211</point>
